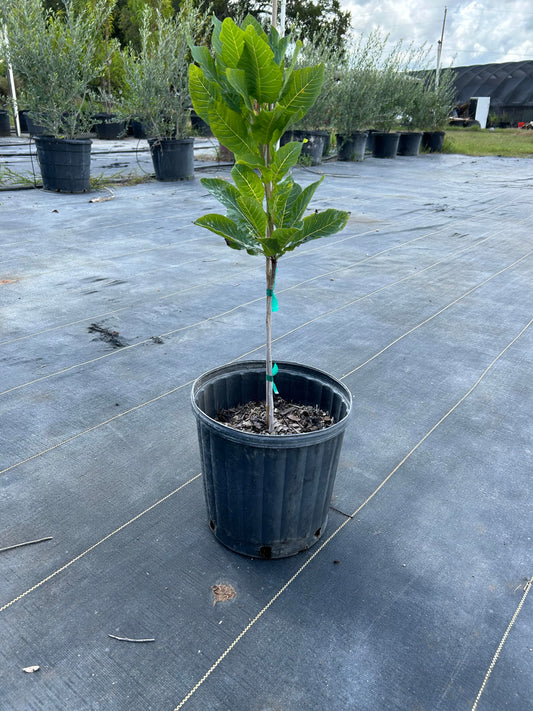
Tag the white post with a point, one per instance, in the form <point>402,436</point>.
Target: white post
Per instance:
<point>12,83</point>
<point>439,50</point>
<point>282,18</point>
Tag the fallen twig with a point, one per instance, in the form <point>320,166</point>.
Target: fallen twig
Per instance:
<point>127,639</point>
<point>26,543</point>
<point>104,199</point>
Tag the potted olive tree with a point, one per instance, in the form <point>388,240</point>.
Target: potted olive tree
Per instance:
<point>54,56</point>
<point>436,103</point>
<point>156,87</point>
<point>267,493</point>
<point>355,97</point>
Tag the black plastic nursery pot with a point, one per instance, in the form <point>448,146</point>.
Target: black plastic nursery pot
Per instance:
<point>433,141</point>
<point>5,127</point>
<point>313,143</point>
<point>138,129</point>
<point>385,144</point>
<point>173,158</point>
<point>409,144</point>
<point>268,496</point>
<point>352,147</point>
<point>65,163</point>
<point>108,127</point>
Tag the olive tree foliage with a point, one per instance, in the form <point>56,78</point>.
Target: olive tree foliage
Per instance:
<point>55,56</point>
<point>156,77</point>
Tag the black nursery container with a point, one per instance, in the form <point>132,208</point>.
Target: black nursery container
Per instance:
<point>268,496</point>
<point>352,147</point>
<point>385,144</point>
<point>409,144</point>
<point>433,141</point>
<point>5,128</point>
<point>65,163</point>
<point>173,158</point>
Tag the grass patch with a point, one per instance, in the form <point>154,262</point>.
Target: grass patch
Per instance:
<point>511,142</point>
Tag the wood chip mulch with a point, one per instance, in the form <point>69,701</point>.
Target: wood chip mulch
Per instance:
<point>289,417</point>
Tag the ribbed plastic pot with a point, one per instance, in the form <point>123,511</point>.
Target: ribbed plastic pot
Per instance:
<point>173,158</point>
<point>433,141</point>
<point>138,129</point>
<point>268,496</point>
<point>65,163</point>
<point>409,144</point>
<point>385,144</point>
<point>108,127</point>
<point>352,147</point>
<point>5,128</point>
<point>313,146</point>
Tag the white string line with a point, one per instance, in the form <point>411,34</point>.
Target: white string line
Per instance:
<point>360,298</point>
<point>343,524</point>
<point>95,545</point>
<point>97,426</point>
<point>289,256</point>
<point>527,588</point>
<point>260,298</point>
<point>239,273</point>
<point>179,387</point>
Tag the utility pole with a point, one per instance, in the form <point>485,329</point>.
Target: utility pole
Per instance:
<point>439,50</point>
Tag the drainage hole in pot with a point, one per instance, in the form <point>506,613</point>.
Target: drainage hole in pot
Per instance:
<point>266,552</point>
<point>318,532</point>
<point>211,525</point>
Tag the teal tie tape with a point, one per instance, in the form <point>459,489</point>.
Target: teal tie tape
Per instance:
<point>270,378</point>
<point>275,305</point>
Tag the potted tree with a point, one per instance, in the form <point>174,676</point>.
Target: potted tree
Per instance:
<point>436,107</point>
<point>54,55</point>
<point>267,493</point>
<point>156,87</point>
<point>313,129</point>
<point>355,96</point>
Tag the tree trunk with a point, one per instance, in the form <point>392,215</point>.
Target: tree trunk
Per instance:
<point>270,280</point>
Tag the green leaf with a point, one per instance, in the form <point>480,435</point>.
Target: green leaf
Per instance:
<point>269,125</point>
<point>263,75</point>
<point>237,79</point>
<point>224,192</point>
<point>231,129</point>
<point>282,193</point>
<point>225,227</point>
<point>202,91</point>
<point>254,214</point>
<point>284,159</point>
<point>250,20</point>
<point>232,43</point>
<point>302,89</point>
<point>248,182</point>
<point>320,224</point>
<point>215,37</point>
<point>276,244</point>
<point>298,203</point>
<point>202,56</point>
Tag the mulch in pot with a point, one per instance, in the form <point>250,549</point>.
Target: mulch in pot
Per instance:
<point>289,417</point>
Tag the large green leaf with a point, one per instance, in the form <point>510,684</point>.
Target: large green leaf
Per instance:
<point>232,43</point>
<point>202,56</point>
<point>227,228</point>
<point>237,80</point>
<point>202,91</point>
<point>320,224</point>
<point>276,244</point>
<point>247,181</point>
<point>282,193</point>
<point>231,129</point>
<point>302,89</point>
<point>284,159</point>
<point>264,77</point>
<point>253,213</point>
<point>224,192</point>
<point>298,202</point>
<point>269,125</point>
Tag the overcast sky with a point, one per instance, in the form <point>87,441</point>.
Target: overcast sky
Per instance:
<point>476,31</point>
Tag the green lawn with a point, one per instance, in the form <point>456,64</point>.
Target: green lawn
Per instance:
<point>483,142</point>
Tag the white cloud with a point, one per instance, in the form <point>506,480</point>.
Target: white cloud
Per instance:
<point>476,32</point>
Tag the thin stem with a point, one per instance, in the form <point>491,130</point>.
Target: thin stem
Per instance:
<point>270,279</point>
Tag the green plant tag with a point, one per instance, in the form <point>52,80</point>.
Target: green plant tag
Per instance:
<point>275,304</point>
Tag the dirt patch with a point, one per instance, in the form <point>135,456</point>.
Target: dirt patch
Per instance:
<point>289,417</point>
<point>106,335</point>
